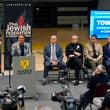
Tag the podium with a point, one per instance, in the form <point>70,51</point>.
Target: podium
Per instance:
<point>23,64</point>
<point>24,74</point>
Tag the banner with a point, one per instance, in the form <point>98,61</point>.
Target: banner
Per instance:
<point>100,23</point>
<point>17,20</point>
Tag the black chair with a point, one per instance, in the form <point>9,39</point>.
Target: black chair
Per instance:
<point>53,73</point>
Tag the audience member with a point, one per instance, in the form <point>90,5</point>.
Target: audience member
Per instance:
<point>99,76</point>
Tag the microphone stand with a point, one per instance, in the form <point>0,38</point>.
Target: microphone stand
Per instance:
<point>10,67</point>
<point>9,58</point>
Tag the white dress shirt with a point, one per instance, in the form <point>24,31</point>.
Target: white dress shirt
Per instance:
<point>53,52</point>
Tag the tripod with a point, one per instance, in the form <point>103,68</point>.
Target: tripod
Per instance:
<point>8,64</point>
<point>10,68</point>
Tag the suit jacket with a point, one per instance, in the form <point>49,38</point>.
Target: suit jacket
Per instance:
<point>96,79</point>
<point>106,52</point>
<point>16,51</point>
<point>47,53</point>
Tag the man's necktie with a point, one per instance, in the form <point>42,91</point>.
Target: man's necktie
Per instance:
<point>53,53</point>
<point>94,51</point>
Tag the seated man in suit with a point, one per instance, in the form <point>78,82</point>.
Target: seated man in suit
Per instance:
<point>74,53</point>
<point>21,48</point>
<point>99,76</point>
<point>106,56</point>
<point>53,56</point>
<point>93,53</point>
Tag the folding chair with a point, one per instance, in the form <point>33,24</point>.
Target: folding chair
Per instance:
<point>53,73</point>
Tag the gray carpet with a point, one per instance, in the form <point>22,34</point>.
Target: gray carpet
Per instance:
<point>44,92</point>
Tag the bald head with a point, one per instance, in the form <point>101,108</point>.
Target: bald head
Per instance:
<point>53,39</point>
<point>43,108</point>
<point>74,39</point>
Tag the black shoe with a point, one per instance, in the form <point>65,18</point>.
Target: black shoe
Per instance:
<point>44,83</point>
<point>76,82</point>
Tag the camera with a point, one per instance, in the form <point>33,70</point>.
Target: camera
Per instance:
<point>65,98</point>
<point>68,103</point>
<point>11,99</point>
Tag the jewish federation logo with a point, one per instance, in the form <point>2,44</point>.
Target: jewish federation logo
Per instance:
<point>24,64</point>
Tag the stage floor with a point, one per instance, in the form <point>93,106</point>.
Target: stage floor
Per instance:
<point>44,92</point>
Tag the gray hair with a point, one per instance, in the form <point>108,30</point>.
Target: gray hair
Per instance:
<point>101,67</point>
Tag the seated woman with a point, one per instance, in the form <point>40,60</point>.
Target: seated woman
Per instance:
<point>99,76</point>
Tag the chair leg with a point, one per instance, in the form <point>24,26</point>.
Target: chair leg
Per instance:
<point>62,73</point>
<point>88,75</point>
<point>66,77</point>
<point>82,74</point>
<point>85,72</point>
<point>68,73</point>
<point>90,106</point>
<point>59,74</point>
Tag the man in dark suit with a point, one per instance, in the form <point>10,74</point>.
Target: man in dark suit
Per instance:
<point>106,56</point>
<point>53,56</point>
<point>74,53</point>
<point>98,77</point>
